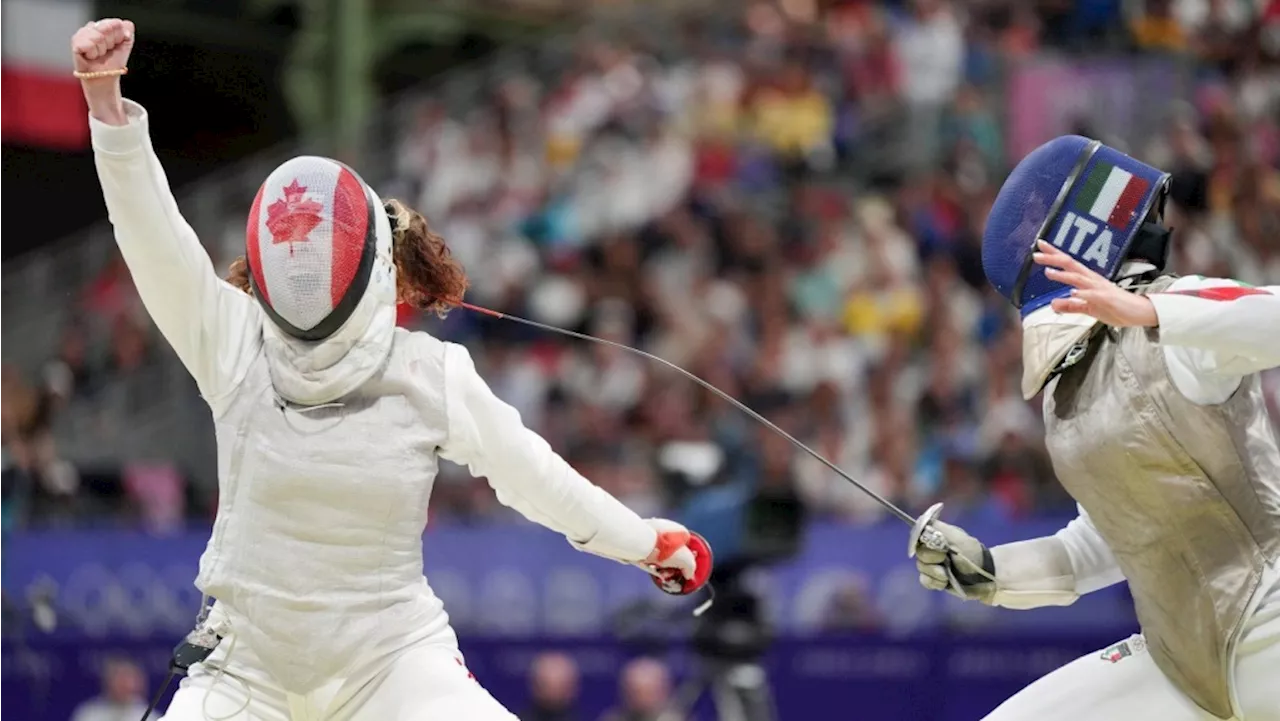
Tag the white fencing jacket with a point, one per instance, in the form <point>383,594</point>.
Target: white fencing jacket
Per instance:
<point>316,552</point>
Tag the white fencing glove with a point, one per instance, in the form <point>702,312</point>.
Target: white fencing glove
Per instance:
<point>967,571</point>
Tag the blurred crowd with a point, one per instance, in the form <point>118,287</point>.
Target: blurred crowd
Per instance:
<point>793,211</point>
<point>101,351</point>
<point>645,692</point>
<point>123,696</point>
<point>790,207</point>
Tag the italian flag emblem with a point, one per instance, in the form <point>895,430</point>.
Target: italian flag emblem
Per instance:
<point>1110,194</point>
<point>1117,652</point>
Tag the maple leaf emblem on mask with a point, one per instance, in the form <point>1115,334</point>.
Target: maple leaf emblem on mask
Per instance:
<point>292,218</point>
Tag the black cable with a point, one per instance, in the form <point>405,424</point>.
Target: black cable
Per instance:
<point>193,649</point>
<point>902,515</point>
<point>164,686</point>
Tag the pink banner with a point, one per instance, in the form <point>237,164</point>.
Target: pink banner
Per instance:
<point>1121,101</point>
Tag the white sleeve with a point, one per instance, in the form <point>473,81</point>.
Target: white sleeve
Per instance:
<point>1220,327</point>
<point>1033,573</point>
<point>487,436</point>
<point>1054,570</point>
<point>1092,563</point>
<point>214,328</point>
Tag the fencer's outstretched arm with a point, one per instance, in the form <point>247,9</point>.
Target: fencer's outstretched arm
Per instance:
<point>487,436</point>
<point>210,324</point>
<point>1047,571</point>
<point>1055,570</point>
<point>1232,326</point>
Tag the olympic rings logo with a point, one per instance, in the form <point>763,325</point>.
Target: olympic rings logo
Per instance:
<point>136,598</point>
<point>515,601</point>
<point>141,600</point>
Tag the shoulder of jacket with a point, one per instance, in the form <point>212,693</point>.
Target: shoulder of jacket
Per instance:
<point>418,347</point>
<point>419,342</point>
<point>1160,284</point>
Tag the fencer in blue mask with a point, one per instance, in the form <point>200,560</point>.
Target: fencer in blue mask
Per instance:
<point>1157,426</point>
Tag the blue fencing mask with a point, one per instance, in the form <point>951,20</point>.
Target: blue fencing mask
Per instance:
<point>1088,199</point>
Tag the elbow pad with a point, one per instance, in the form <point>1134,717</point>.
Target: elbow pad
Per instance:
<point>1034,573</point>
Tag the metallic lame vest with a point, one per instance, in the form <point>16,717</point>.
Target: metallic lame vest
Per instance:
<point>1186,496</point>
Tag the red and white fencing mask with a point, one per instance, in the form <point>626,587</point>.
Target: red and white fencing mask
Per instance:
<point>318,238</point>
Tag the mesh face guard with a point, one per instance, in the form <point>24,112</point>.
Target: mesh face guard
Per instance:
<point>1088,199</point>
<point>311,243</point>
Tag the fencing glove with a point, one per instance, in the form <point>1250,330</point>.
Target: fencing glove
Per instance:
<point>967,571</point>
<point>1032,573</point>
<point>681,559</point>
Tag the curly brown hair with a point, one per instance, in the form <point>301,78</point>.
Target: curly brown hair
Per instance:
<point>428,277</point>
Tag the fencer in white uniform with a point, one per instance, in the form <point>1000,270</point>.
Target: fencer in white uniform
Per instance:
<point>1157,426</point>
<point>329,423</point>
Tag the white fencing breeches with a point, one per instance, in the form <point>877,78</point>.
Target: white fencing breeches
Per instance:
<point>1122,683</point>
<point>427,683</point>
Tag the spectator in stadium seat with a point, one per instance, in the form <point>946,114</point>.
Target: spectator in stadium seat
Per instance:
<point>1156,27</point>
<point>130,345</point>
<point>930,46</point>
<point>852,607</point>
<point>553,685</point>
<point>38,486</point>
<point>112,292</point>
<point>73,371</point>
<point>972,119</point>
<point>646,693</point>
<point>123,698</point>
<point>795,119</point>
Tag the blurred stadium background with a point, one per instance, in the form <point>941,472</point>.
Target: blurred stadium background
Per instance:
<point>786,196</point>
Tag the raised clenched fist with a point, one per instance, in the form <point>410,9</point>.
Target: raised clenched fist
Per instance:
<point>102,45</point>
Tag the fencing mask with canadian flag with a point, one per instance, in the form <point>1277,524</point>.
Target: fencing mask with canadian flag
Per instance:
<point>318,242</point>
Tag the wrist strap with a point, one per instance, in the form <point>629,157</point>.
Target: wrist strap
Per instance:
<point>973,578</point>
<point>95,74</point>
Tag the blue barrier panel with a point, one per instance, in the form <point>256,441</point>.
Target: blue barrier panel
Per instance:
<point>523,580</point>
<point>514,591</point>
<point>934,678</point>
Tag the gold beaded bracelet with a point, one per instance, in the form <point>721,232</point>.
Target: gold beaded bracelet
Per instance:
<point>94,75</point>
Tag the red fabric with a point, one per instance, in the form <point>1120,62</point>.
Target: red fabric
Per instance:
<point>253,250</point>
<point>350,231</point>
<point>715,163</point>
<point>1012,491</point>
<point>548,355</point>
<point>948,215</point>
<point>406,315</point>
<point>1128,203</point>
<point>43,109</point>
<point>876,72</point>
<point>470,675</point>
<point>1227,293</point>
<point>111,293</point>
